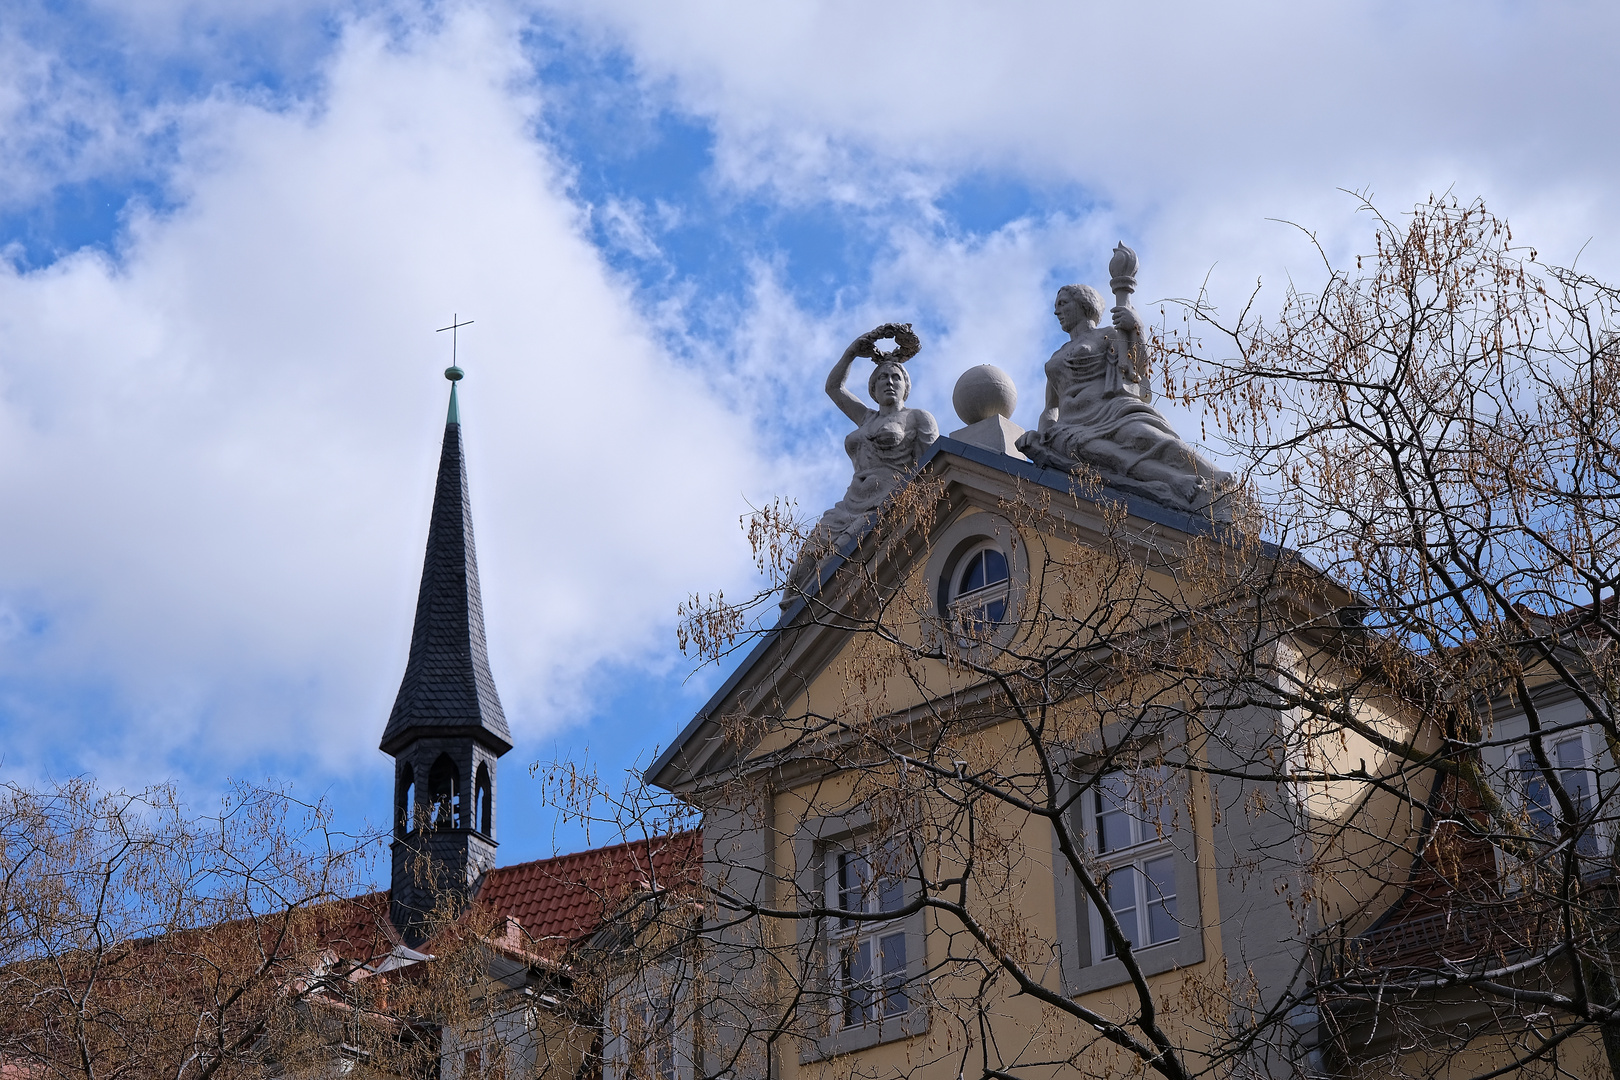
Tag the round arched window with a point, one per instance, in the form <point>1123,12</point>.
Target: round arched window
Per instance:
<point>978,591</point>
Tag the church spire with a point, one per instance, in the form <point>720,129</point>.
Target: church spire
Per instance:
<point>447,728</point>
<point>447,687</point>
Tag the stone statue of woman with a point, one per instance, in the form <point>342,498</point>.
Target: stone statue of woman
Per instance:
<point>884,448</point>
<point>1097,410</point>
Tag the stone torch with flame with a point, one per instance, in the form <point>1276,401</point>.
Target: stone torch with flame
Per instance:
<point>1122,283</point>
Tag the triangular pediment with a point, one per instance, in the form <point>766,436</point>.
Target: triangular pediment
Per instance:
<point>966,487</point>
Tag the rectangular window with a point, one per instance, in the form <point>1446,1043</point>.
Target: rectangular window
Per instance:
<point>869,954</point>
<point>1129,825</point>
<point>1572,765</point>
<point>648,1026</point>
<point>652,1044</point>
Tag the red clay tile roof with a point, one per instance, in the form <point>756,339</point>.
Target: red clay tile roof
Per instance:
<point>356,928</point>
<point>567,897</point>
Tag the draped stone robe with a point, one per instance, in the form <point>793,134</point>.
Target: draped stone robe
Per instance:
<point>1103,421</point>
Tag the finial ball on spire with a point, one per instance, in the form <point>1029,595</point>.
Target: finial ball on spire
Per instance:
<point>453,373</point>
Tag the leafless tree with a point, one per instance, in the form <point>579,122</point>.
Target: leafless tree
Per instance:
<point>1333,736</point>
<point>1437,429</point>
<point>140,940</point>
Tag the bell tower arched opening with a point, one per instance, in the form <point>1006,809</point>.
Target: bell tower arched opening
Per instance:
<point>404,785</point>
<point>444,788</point>
<point>484,793</point>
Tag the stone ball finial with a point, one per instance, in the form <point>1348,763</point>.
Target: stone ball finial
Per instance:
<point>982,392</point>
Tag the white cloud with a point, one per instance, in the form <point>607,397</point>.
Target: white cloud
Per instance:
<point>1188,130</point>
<point>57,125</point>
<point>218,446</point>
<point>217,450</point>
<point>1193,122</point>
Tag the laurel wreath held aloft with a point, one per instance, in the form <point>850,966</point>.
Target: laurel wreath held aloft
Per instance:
<point>906,343</point>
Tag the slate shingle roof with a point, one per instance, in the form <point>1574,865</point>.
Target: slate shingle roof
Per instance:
<point>447,689</point>
<point>565,898</point>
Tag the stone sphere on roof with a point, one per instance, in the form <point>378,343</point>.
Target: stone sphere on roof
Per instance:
<point>982,392</point>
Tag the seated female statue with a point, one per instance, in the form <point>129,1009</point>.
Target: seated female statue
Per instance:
<point>1097,412</point>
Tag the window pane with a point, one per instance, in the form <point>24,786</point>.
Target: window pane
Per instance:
<point>1153,807</point>
<point>1120,891</point>
<point>1161,899</point>
<point>1578,786</point>
<point>854,882</point>
<point>1570,754</point>
<point>995,611</point>
<point>859,1006</point>
<point>995,567</point>
<point>893,947</point>
<point>1162,924</point>
<point>1113,819</point>
<point>1571,760</point>
<point>1161,877</point>
<point>973,576</point>
<point>891,890</point>
<point>1537,798</point>
<point>1113,831</point>
<point>1133,808</point>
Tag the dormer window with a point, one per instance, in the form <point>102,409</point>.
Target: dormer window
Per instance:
<point>978,592</point>
<point>1572,766</point>
<point>1579,775</point>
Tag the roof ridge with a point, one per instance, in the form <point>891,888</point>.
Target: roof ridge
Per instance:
<point>682,834</point>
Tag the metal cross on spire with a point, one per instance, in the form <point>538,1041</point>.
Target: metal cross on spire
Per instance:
<point>454,327</point>
<point>453,372</point>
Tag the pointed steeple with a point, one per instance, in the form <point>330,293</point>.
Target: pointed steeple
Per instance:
<point>447,728</point>
<point>447,689</point>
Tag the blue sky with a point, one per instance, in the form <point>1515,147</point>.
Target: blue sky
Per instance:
<point>229,229</point>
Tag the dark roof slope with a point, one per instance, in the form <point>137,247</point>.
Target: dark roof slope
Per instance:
<point>566,898</point>
<point>447,689</point>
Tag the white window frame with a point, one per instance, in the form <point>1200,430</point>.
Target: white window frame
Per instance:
<point>817,842</point>
<point>959,602</point>
<point>651,1031</point>
<point>1516,791</point>
<point>882,888</point>
<point>1085,970</point>
<point>1147,840</point>
<point>649,1011</point>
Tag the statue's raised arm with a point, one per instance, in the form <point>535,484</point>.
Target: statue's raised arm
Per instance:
<point>1129,367</point>
<point>884,448</point>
